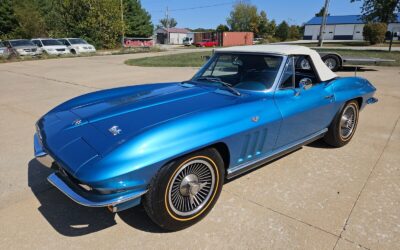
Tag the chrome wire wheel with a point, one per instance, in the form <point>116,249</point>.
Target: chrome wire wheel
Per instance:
<point>191,187</point>
<point>348,122</point>
<point>331,63</point>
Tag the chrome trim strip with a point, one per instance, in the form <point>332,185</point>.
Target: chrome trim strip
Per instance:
<point>64,188</point>
<point>232,172</point>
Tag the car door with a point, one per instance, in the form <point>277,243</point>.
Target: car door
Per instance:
<point>306,104</point>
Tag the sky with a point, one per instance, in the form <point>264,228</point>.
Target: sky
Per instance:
<point>211,13</point>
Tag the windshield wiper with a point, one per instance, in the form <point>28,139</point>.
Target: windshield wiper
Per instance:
<point>217,80</point>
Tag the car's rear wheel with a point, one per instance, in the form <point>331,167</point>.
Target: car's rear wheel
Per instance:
<point>185,190</point>
<point>343,126</point>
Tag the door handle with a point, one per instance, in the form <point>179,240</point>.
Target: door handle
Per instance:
<point>329,97</point>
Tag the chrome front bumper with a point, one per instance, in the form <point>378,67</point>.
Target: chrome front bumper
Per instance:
<point>115,203</point>
<point>56,181</point>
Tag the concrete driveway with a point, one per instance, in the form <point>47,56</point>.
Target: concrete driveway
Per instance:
<point>315,198</point>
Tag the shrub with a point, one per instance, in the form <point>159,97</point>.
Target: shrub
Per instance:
<point>374,32</point>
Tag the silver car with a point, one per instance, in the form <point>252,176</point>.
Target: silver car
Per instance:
<point>3,50</point>
<point>22,47</point>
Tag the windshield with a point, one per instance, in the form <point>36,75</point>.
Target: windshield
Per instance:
<point>1,44</point>
<point>17,43</point>
<point>51,42</point>
<point>77,41</point>
<point>63,41</point>
<point>242,71</point>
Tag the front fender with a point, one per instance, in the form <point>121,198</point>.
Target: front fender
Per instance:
<point>348,88</point>
<point>138,159</point>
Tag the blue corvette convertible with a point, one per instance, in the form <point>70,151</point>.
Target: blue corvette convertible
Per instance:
<point>170,146</point>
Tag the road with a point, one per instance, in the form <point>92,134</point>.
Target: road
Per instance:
<point>315,198</point>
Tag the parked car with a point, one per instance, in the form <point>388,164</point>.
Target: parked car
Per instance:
<point>51,46</point>
<point>21,47</point>
<point>171,146</point>
<point>77,45</point>
<point>206,43</point>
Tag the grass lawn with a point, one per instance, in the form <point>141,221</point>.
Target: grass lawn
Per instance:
<point>194,59</point>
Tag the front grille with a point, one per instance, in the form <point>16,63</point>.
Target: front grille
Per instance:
<point>60,49</point>
<point>34,50</point>
<point>27,50</point>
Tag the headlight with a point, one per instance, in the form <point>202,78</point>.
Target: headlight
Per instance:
<point>50,49</point>
<point>20,50</point>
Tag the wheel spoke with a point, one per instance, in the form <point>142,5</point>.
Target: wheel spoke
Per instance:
<point>191,187</point>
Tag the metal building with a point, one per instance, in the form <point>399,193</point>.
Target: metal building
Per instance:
<point>174,35</point>
<point>348,27</point>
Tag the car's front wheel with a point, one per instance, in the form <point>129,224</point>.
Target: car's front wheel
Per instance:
<point>185,190</point>
<point>343,126</point>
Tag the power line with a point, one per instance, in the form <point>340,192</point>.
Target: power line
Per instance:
<point>199,7</point>
<point>204,6</point>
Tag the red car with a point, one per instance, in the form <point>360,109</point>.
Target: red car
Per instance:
<point>206,43</point>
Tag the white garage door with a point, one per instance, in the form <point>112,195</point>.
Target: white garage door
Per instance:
<point>344,32</point>
<point>328,34</point>
<point>358,32</point>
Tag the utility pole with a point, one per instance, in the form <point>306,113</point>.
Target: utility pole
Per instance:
<point>123,25</point>
<point>323,24</point>
<point>167,17</point>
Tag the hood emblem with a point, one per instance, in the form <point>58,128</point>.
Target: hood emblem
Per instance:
<point>255,118</point>
<point>115,130</point>
<point>77,122</point>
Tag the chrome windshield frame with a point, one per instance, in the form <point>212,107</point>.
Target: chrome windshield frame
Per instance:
<point>273,86</point>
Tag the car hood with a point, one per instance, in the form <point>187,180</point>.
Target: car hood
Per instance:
<point>55,47</point>
<point>25,47</point>
<point>92,125</point>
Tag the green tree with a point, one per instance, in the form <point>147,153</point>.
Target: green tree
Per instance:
<point>383,11</point>
<point>271,28</point>
<point>7,17</point>
<point>29,20</point>
<point>321,12</point>
<point>222,28</point>
<point>294,32</point>
<point>170,22</point>
<point>98,21</point>
<point>244,17</point>
<point>137,20</point>
<point>375,32</point>
<point>282,31</point>
<point>263,24</point>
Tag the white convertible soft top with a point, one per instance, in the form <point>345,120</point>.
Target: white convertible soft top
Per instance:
<point>323,71</point>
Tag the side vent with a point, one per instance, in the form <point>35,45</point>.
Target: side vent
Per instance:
<point>253,145</point>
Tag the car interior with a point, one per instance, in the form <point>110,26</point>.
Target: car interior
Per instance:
<point>300,72</point>
<point>250,72</point>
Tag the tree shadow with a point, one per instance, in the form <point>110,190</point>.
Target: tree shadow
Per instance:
<point>71,219</point>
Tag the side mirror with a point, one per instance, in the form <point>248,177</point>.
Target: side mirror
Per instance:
<point>305,83</point>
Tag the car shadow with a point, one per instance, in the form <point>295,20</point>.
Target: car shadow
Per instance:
<point>350,68</point>
<point>319,144</point>
<point>71,219</point>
